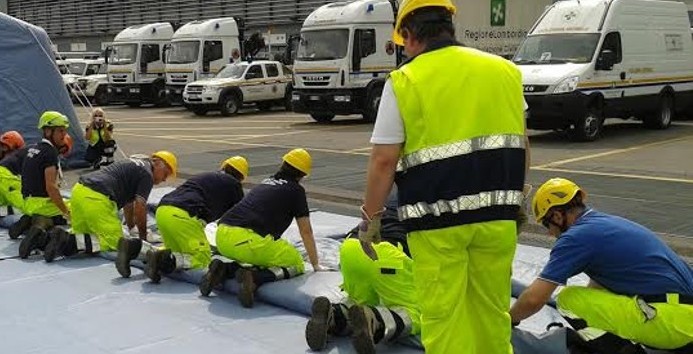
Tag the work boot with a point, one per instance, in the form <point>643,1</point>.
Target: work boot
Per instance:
<point>159,262</point>
<point>246,294</point>
<point>214,277</point>
<point>128,249</point>
<point>321,323</point>
<point>18,228</point>
<point>35,238</point>
<point>363,325</point>
<point>57,242</point>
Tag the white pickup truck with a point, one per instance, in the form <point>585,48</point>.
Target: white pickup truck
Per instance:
<point>263,82</point>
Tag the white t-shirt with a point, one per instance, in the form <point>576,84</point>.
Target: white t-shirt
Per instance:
<point>389,127</point>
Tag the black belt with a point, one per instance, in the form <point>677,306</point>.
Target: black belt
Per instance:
<point>662,298</point>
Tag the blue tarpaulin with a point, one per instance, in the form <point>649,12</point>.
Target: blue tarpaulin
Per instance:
<point>30,84</point>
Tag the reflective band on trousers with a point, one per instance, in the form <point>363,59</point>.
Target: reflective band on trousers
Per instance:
<point>459,148</point>
<point>463,203</point>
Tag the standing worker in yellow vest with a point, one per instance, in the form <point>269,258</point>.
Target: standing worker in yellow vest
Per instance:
<point>454,116</point>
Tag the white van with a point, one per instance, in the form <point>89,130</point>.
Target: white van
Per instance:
<point>585,60</point>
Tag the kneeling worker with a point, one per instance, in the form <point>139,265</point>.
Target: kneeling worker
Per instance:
<point>12,154</point>
<point>251,232</point>
<point>639,290</point>
<point>41,172</point>
<point>381,290</point>
<point>98,196</point>
<point>181,217</point>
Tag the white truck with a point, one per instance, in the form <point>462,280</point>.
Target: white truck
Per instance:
<point>199,50</point>
<point>265,83</point>
<point>136,64</point>
<point>85,78</point>
<point>586,60</point>
<point>346,50</point>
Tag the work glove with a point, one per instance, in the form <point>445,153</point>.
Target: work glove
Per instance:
<point>369,232</point>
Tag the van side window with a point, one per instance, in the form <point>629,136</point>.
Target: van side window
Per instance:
<point>272,70</point>
<point>612,42</point>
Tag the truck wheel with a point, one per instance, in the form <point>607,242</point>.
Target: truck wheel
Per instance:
<point>588,127</point>
<point>665,111</point>
<point>161,100</point>
<point>372,104</point>
<point>229,105</point>
<point>322,117</point>
<point>199,111</point>
<point>287,100</point>
<point>264,106</point>
<point>133,104</point>
<point>101,96</point>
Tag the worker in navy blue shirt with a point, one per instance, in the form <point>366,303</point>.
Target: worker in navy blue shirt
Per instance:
<point>640,291</point>
<point>251,231</point>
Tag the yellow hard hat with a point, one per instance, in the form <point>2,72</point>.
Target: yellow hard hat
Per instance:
<point>237,162</point>
<point>554,192</point>
<point>169,158</point>
<point>408,6</point>
<point>300,159</point>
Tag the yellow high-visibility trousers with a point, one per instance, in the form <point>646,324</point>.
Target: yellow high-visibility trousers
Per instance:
<point>387,281</point>
<point>462,274</point>
<point>10,190</point>
<point>95,214</point>
<point>245,246</point>
<point>671,328</point>
<point>185,234</point>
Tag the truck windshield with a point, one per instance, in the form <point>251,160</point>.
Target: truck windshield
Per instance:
<point>323,44</point>
<point>557,48</point>
<point>123,54</point>
<point>184,52</point>
<point>76,68</point>
<point>232,71</point>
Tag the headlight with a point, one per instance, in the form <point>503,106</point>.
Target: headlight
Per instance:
<point>342,98</point>
<point>295,97</point>
<point>211,89</point>
<point>567,85</point>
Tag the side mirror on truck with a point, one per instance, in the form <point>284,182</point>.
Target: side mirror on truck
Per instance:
<point>606,60</point>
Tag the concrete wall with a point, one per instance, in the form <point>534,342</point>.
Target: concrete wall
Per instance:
<point>3,6</point>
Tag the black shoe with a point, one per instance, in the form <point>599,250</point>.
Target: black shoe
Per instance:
<point>362,326</point>
<point>18,228</point>
<point>246,294</point>
<point>57,241</point>
<point>319,324</point>
<point>35,239</point>
<point>128,249</point>
<point>214,277</point>
<point>158,262</point>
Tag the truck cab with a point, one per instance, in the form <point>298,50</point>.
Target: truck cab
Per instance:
<point>199,50</point>
<point>136,64</point>
<point>265,83</point>
<point>85,78</point>
<point>344,54</point>
<point>586,60</point>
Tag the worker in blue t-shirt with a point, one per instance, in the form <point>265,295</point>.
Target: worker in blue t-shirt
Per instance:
<point>639,291</point>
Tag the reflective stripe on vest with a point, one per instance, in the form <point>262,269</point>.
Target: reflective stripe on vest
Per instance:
<point>459,148</point>
<point>463,156</point>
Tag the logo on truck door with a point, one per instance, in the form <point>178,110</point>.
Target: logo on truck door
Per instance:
<point>497,13</point>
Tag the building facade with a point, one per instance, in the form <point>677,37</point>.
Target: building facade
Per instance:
<point>88,25</point>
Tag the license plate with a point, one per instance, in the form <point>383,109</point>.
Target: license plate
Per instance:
<point>119,90</point>
<point>178,91</point>
<point>193,96</point>
<point>315,98</point>
<point>134,90</point>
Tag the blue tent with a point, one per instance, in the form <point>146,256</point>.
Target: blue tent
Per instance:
<point>30,84</point>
